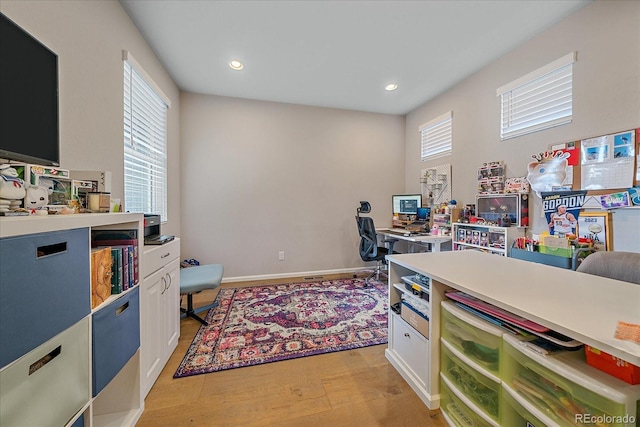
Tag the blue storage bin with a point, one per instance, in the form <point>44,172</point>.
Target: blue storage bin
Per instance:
<point>45,288</point>
<point>79,422</point>
<point>116,337</point>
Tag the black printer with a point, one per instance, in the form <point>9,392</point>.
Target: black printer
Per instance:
<point>152,235</point>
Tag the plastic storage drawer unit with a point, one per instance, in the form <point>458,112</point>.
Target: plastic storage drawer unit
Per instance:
<point>45,274</point>
<point>48,385</point>
<point>567,390</point>
<point>116,337</point>
<point>457,412</point>
<point>476,338</point>
<point>483,391</point>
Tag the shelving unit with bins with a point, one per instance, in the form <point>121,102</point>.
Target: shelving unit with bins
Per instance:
<point>486,238</point>
<point>58,387</point>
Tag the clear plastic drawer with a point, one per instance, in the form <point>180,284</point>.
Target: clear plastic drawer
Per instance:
<point>480,389</point>
<point>567,390</point>
<point>457,412</point>
<point>476,338</point>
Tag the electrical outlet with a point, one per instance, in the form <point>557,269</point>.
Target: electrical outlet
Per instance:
<point>281,256</point>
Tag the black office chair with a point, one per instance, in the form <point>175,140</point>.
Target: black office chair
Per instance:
<point>368,248</point>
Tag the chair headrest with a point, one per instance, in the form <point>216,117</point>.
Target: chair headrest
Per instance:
<point>365,207</point>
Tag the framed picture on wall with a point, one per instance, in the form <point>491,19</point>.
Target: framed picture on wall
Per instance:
<point>597,226</point>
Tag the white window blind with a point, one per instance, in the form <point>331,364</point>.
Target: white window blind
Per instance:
<point>436,137</point>
<point>145,145</point>
<point>540,100</point>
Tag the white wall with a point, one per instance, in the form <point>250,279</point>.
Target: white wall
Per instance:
<point>89,37</point>
<point>606,91</point>
<point>263,177</point>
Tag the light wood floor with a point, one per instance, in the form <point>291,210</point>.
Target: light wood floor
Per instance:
<point>346,388</point>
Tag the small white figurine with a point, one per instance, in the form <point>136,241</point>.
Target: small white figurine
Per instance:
<point>12,189</point>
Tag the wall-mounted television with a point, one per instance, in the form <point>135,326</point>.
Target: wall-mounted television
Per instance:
<point>29,128</point>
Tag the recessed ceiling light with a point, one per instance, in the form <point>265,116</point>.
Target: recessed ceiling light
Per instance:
<point>236,65</point>
<point>391,86</point>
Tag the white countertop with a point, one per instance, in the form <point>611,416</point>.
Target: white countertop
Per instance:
<point>19,225</point>
<point>579,305</point>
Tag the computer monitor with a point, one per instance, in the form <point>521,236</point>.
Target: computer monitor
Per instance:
<point>407,204</point>
<point>423,213</point>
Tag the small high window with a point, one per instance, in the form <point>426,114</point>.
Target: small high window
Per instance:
<point>436,137</point>
<point>540,100</point>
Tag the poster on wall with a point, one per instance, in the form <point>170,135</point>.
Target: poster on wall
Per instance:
<point>562,210</point>
<point>597,227</point>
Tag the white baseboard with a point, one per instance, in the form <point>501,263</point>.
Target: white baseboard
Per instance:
<point>304,274</point>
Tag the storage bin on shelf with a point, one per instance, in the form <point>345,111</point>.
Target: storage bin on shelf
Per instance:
<point>116,337</point>
<point>476,338</point>
<point>483,391</point>
<point>457,413</point>
<point>565,389</point>
<point>44,274</point>
<point>50,384</point>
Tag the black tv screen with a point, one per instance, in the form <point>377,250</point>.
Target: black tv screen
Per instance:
<point>29,129</point>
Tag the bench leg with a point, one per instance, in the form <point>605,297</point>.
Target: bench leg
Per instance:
<point>190,312</point>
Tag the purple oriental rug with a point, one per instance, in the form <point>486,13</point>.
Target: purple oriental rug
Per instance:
<point>262,324</point>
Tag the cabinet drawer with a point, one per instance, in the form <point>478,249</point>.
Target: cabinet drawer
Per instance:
<point>45,288</point>
<point>562,386</point>
<point>480,389</point>
<point>476,338</point>
<point>156,257</point>
<point>116,337</point>
<point>50,384</point>
<point>459,414</point>
<point>412,348</point>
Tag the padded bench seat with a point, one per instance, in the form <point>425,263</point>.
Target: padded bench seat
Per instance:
<point>195,279</point>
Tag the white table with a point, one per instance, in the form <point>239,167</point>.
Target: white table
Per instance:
<point>434,241</point>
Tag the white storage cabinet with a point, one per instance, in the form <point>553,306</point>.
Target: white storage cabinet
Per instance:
<point>159,310</point>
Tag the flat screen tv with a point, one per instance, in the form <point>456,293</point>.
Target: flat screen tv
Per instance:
<point>29,128</point>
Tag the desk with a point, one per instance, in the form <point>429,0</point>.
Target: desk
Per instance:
<point>434,241</point>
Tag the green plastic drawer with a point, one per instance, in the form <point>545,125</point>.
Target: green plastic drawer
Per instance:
<point>563,386</point>
<point>457,412</point>
<point>477,387</point>
<point>516,415</point>
<point>476,338</point>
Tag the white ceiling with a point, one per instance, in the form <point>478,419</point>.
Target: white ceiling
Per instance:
<point>337,54</point>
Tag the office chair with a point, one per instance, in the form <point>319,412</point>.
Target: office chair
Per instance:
<point>368,248</point>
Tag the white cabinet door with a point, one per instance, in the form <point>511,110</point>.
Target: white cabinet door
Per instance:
<point>151,329</point>
<point>413,349</point>
<point>171,308</point>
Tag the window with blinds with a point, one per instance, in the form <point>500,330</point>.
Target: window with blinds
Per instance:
<point>436,137</point>
<point>540,100</point>
<point>145,146</point>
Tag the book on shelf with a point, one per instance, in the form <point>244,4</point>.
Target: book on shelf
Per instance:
<point>101,271</point>
<point>127,243</point>
<point>116,269</point>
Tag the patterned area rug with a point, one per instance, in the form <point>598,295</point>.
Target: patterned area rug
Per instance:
<point>263,324</point>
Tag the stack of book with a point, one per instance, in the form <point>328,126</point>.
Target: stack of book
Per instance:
<point>124,254</point>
